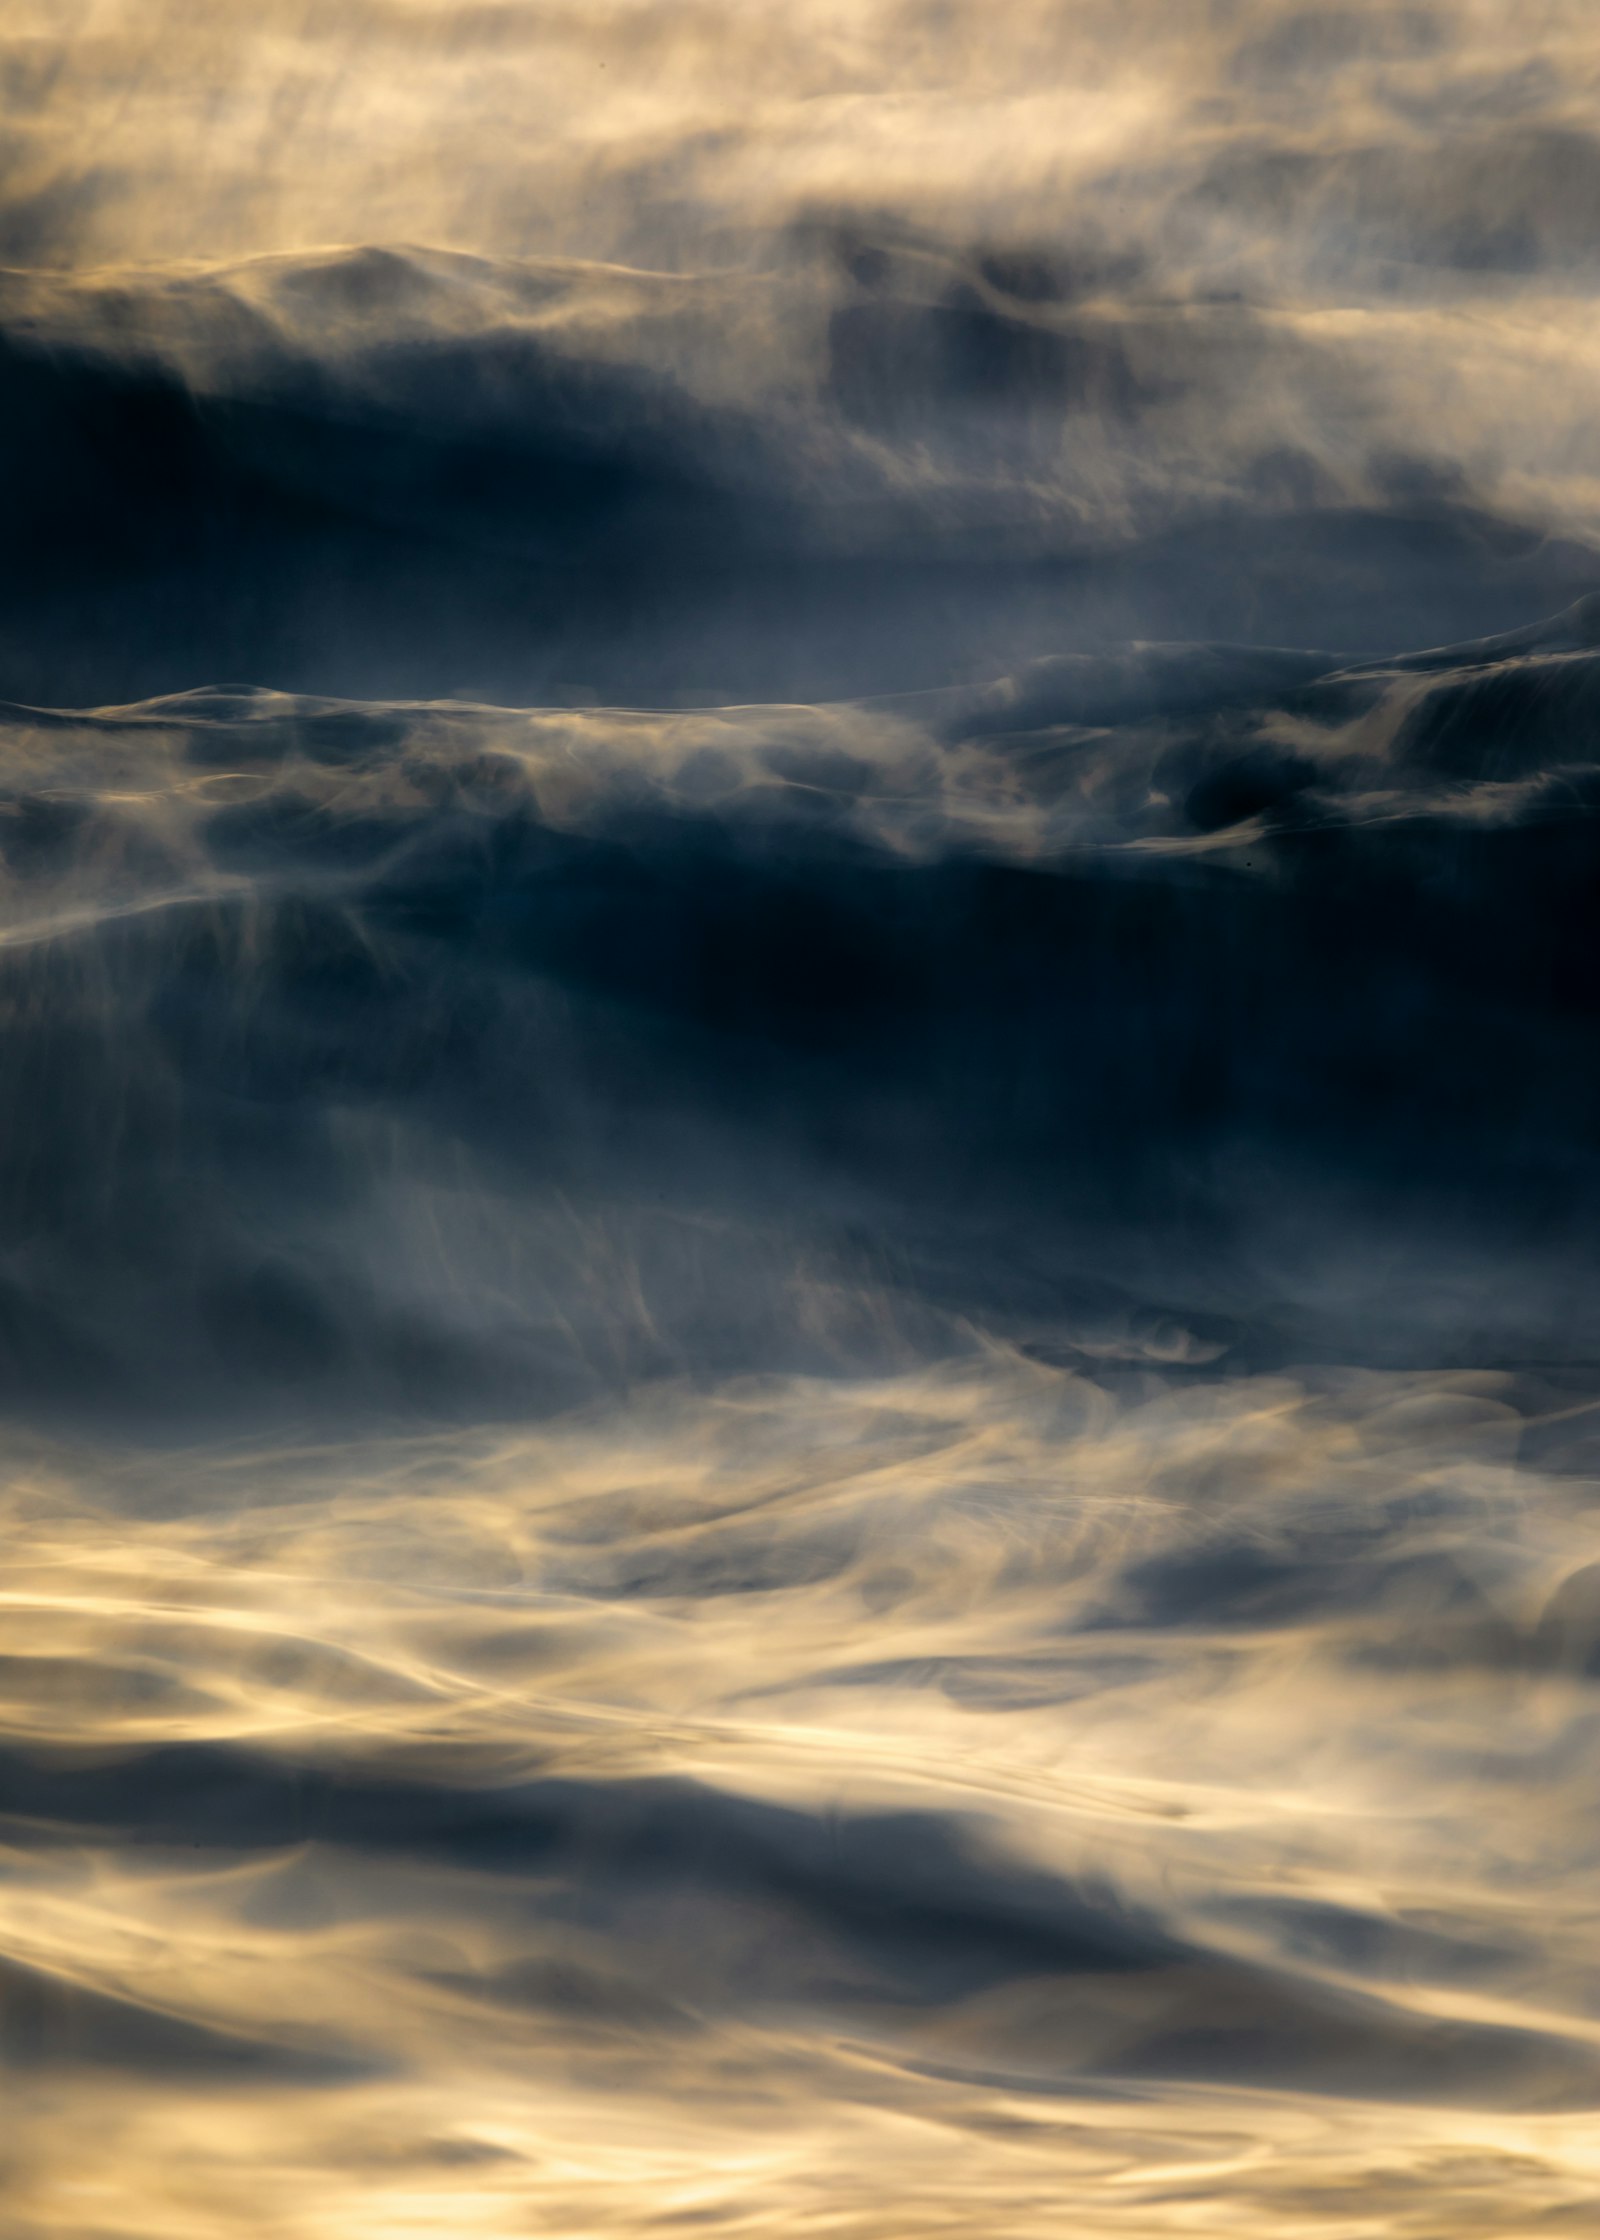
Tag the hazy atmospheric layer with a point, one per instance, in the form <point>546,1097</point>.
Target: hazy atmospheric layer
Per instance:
<point>798,1323</point>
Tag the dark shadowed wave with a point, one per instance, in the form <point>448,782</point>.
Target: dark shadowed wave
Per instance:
<point>384,473</point>
<point>1194,1003</point>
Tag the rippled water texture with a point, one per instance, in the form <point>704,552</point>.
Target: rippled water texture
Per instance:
<point>799,1329</point>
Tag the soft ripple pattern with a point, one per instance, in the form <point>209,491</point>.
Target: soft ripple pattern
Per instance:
<point>953,1801</point>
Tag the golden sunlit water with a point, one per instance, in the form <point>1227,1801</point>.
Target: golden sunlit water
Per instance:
<point>813,1828</point>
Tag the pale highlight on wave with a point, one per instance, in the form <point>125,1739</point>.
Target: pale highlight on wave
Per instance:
<point>952,1803</point>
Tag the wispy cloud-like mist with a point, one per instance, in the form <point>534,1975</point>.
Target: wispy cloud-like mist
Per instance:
<point>798,1104</point>
<point>1280,318</point>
